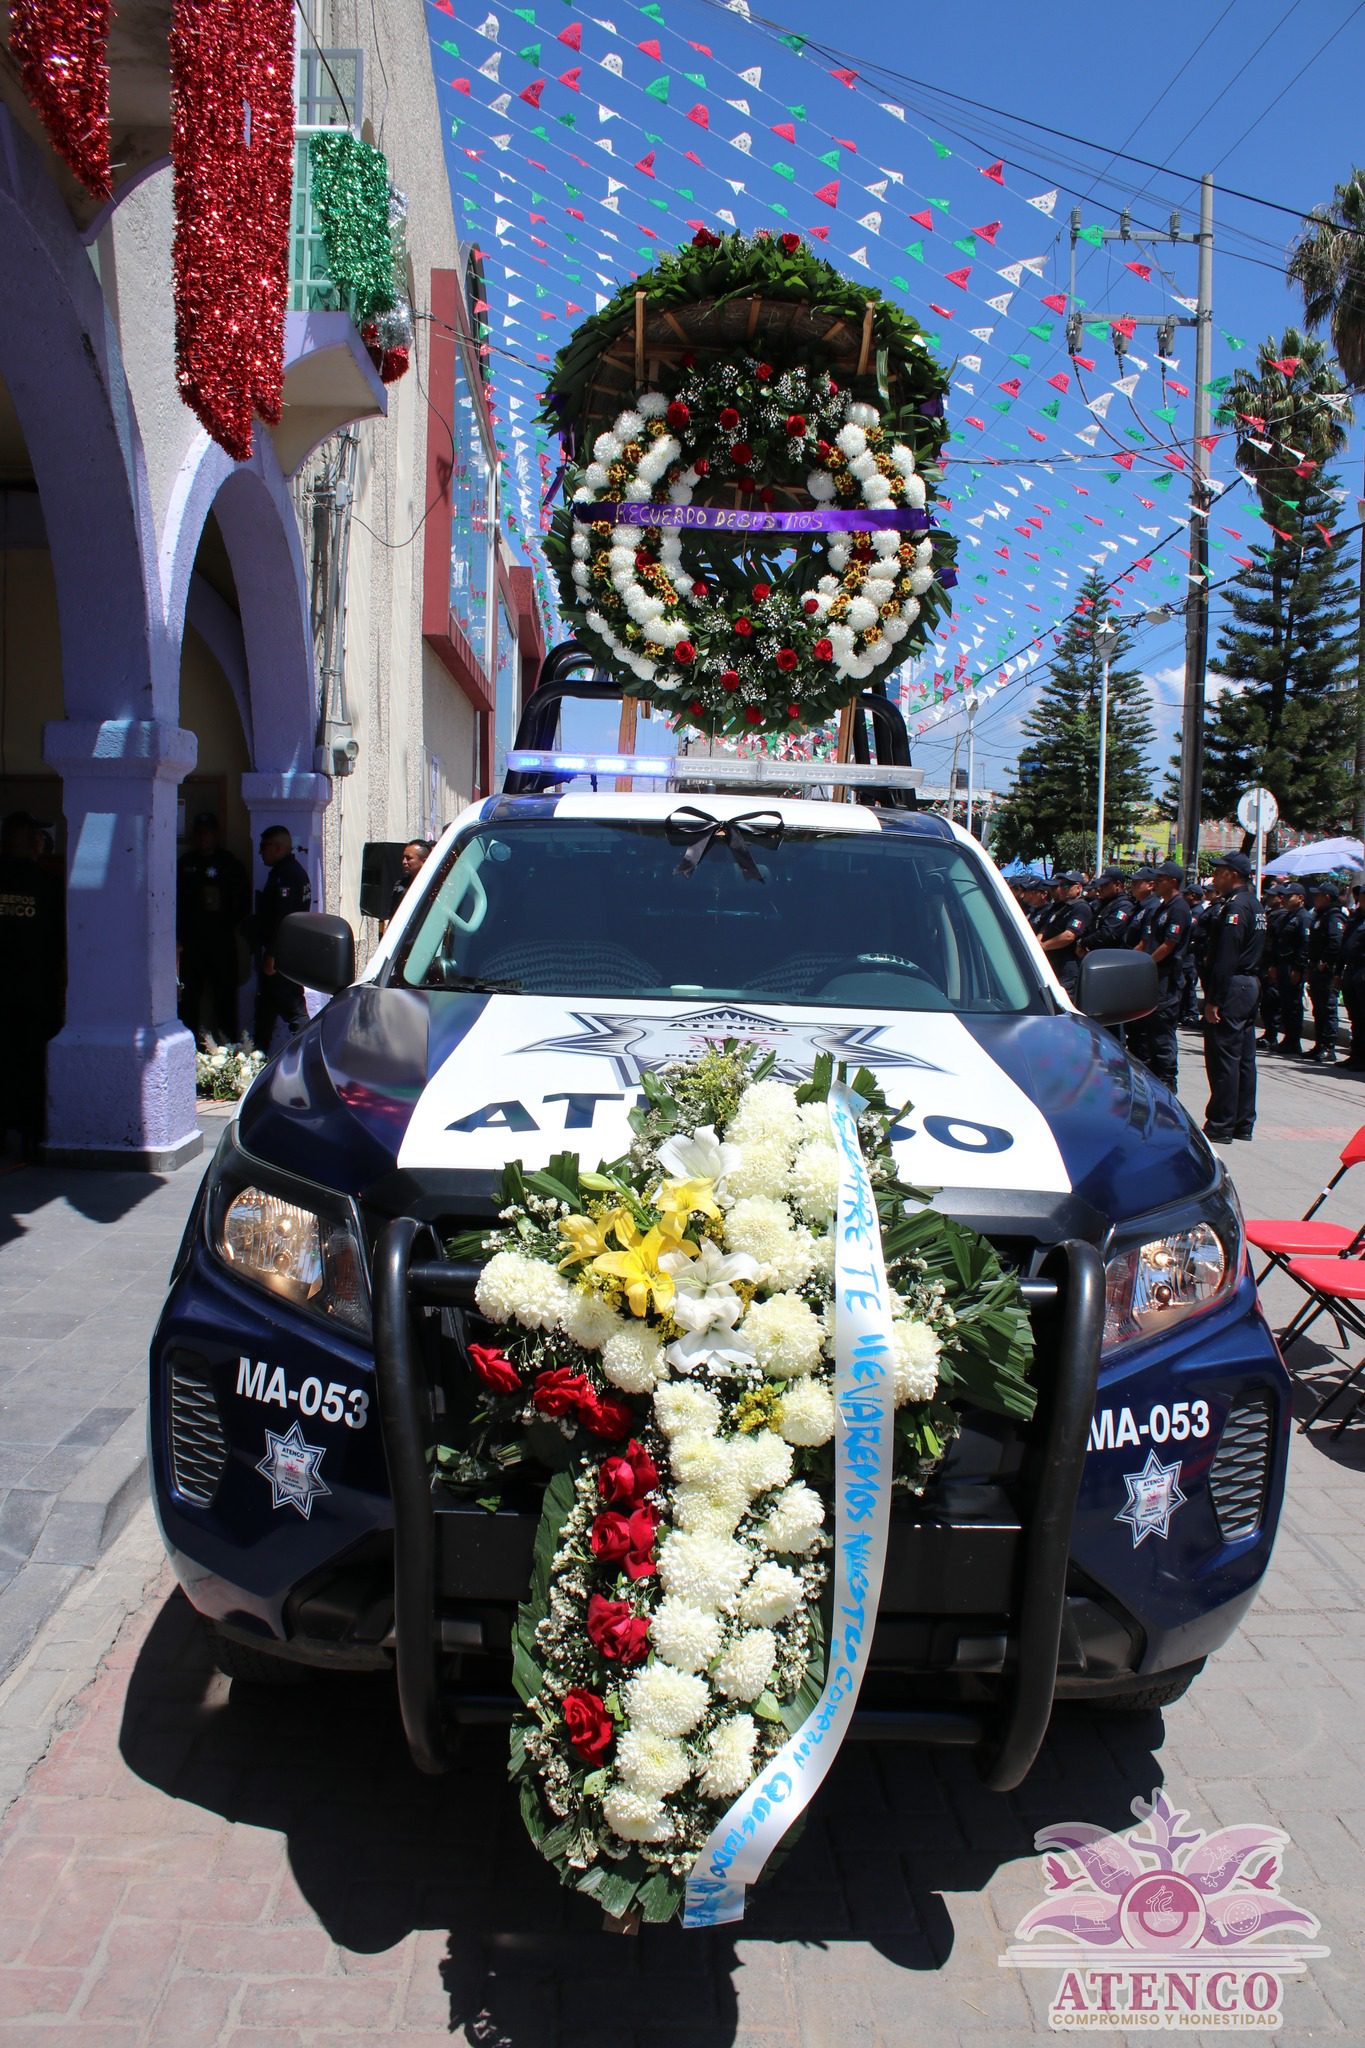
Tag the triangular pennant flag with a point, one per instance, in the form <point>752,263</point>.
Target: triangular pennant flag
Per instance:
<point>1001,302</point>
<point>890,107</point>
<point>530,54</point>
<point>699,115</point>
<point>1190,305</point>
<point>572,35</point>
<point>1044,201</point>
<point>743,141</point>
<point>995,171</point>
<point>860,256</point>
<point>878,190</point>
<point>785,129</point>
<point>829,193</point>
<point>1055,302</point>
<point>1013,273</point>
<point>490,68</point>
<point>531,93</point>
<point>873,221</point>
<point>925,219</point>
<point>658,90</point>
<point>613,63</point>
<point>989,232</point>
<point>489,28</point>
<point>651,49</point>
<point>1100,406</point>
<point>848,78</point>
<point>571,77</point>
<point>753,76</point>
<point>830,159</point>
<point>724,213</point>
<point>1142,270</point>
<point>958,277</point>
<point>646,164</point>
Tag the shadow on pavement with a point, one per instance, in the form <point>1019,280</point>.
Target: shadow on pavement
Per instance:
<point>377,1850</point>
<point>1322,1376</point>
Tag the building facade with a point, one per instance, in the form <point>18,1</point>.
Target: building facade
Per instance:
<point>307,638</point>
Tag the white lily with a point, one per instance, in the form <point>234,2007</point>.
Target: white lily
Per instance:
<point>704,1295</point>
<point>702,1156</point>
<point>707,1347</point>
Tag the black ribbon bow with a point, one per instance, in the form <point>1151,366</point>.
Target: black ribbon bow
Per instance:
<point>698,831</point>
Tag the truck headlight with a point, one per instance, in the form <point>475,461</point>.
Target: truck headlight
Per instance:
<point>296,1242</point>
<point>1153,1285</point>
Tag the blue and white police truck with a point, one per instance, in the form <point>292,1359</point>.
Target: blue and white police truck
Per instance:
<point>312,1349</point>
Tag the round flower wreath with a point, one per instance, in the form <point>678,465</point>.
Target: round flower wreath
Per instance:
<point>721,650</point>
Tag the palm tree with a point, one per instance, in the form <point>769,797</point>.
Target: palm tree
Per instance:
<point>1328,265</point>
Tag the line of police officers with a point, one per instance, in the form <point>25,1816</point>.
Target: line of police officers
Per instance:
<point>1248,956</point>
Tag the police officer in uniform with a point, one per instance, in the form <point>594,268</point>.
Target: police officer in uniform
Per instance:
<point>1167,939</point>
<point>1288,956</point>
<point>1353,986</point>
<point>32,983</point>
<point>1236,941</point>
<point>212,897</point>
<point>286,890</point>
<point>1115,912</point>
<point>1068,923</point>
<point>1033,898</point>
<point>1197,897</point>
<point>1326,932</point>
<point>1273,904</point>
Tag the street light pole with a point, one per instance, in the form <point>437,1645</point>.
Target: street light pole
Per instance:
<point>1106,639</point>
<point>971,764</point>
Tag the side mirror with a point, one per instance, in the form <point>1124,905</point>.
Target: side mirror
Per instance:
<point>1116,987</point>
<point>317,950</point>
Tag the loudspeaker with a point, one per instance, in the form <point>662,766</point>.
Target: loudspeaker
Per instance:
<point>379,874</point>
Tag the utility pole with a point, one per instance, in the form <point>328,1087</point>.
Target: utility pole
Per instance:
<point>971,763</point>
<point>1105,641</point>
<point>1197,609</point>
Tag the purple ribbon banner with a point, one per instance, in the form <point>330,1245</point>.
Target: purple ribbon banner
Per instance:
<point>715,519</point>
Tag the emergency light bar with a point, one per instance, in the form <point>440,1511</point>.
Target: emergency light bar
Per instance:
<point>723,772</point>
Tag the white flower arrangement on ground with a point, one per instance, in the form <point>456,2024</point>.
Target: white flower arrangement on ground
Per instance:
<point>678,1335</point>
<point>223,1073</point>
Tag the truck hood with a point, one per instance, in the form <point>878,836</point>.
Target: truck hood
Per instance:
<point>391,1090</point>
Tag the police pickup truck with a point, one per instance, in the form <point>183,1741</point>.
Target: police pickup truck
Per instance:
<point>312,1350</point>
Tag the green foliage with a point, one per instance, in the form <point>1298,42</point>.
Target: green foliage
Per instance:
<point>1056,786</point>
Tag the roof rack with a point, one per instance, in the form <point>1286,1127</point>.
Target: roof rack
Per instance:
<point>879,773</point>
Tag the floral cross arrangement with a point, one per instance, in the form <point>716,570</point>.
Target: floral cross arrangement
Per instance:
<point>668,1322</point>
<point>695,610</point>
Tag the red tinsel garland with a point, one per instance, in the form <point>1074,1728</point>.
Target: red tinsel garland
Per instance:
<point>63,61</point>
<point>232,145</point>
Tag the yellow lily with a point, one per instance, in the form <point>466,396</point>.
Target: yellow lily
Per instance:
<point>587,1237</point>
<point>636,1265</point>
<point>687,1198</point>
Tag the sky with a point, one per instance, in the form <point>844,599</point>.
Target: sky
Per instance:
<point>582,143</point>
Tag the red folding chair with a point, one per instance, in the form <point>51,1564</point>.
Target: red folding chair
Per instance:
<point>1338,1284</point>
<point>1286,1240</point>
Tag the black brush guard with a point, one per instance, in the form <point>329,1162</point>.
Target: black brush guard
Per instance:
<point>1067,1303</point>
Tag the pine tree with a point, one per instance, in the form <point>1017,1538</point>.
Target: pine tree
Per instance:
<point>1288,651</point>
<point>1055,790</point>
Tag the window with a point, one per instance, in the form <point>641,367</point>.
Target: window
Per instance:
<point>471,531</point>
<point>328,93</point>
<point>875,920</point>
<point>505,690</point>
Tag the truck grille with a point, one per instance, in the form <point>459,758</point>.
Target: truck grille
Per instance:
<point>198,1446</point>
<point>1241,1470</point>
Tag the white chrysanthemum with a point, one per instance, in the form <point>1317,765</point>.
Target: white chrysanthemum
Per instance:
<point>885,571</point>
<point>635,1818</point>
<point>589,1321</point>
<point>914,492</point>
<point>595,477</point>
<point>513,1288</point>
<point>708,1571</point>
<point>685,1636</point>
<point>820,486</point>
<point>632,1357</point>
<point>582,496</point>
<point>808,1413</point>
<point>914,1361</point>
<point>746,1666</point>
<point>877,491</point>
<point>838,556</point>
<point>863,466</point>
<point>860,414</point>
<point>910,609</point>
<point>861,614</point>
<point>771,1595</point>
<point>851,441</point>
<point>814,1180</point>
<point>886,544</point>
<point>785,1334</point>
<point>861,668</point>
<point>628,425</point>
<point>921,580</point>
<point>895,629</point>
<point>699,1459</point>
<point>652,1765</point>
<point>680,494</point>
<point>841,637</point>
<point>764,1228</point>
<point>903,457</point>
<point>606,449</point>
<point>727,1764</point>
<point>796,1519</point>
<point>700,1513</point>
<point>580,575</point>
<point>762,1169</point>
<point>662,1701</point>
<point>768,1113</point>
<point>652,406</point>
<point>924,553</point>
<point>764,1460</point>
<point>638,491</point>
<point>680,1410</point>
<point>581,546</point>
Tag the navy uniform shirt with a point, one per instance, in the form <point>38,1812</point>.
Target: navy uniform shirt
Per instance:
<point>1289,943</point>
<point>1072,914</point>
<point>1172,926</point>
<point>287,889</point>
<point>1236,941</point>
<point>1140,923</point>
<point>1326,931</point>
<point>1112,921</point>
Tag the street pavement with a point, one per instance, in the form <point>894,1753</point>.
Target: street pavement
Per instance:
<point>189,1862</point>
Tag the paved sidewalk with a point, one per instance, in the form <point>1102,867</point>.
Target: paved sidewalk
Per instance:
<point>83,1263</point>
<point>217,1867</point>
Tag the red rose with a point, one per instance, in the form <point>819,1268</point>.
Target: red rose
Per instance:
<point>604,1415</point>
<point>588,1725</point>
<point>643,558</point>
<point>823,650</point>
<point>704,239</point>
<point>789,244</point>
<point>616,1477</point>
<point>793,711</point>
<point>824,449</point>
<point>561,1392</point>
<point>696,708</point>
<point>679,414</point>
<point>811,605</point>
<point>744,628</point>
<point>689,359</point>
<point>786,659</point>
<point>764,373</point>
<point>639,1559</point>
<point>766,495</point>
<point>762,590</point>
<point>702,465</point>
<point>744,482</point>
<point>684,653</point>
<point>729,679</point>
<point>495,1371</point>
<point>699,589</point>
<point>753,715</point>
<point>796,425</point>
<point>729,418</point>
<point>643,1466</point>
<point>834,383</point>
<point>742,453</point>
<point>615,1633</point>
<point>610,1537</point>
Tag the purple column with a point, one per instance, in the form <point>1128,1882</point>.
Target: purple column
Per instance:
<point>120,1074</point>
<point>297,799</point>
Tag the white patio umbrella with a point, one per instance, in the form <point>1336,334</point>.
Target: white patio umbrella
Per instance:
<point>1320,857</point>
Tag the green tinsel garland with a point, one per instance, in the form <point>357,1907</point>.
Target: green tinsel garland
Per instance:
<point>350,182</point>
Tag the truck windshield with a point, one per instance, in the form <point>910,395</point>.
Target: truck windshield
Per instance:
<point>596,907</point>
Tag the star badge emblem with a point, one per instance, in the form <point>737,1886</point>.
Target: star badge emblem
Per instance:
<point>633,1043</point>
<point>1153,1497</point>
<point>291,1466</point>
